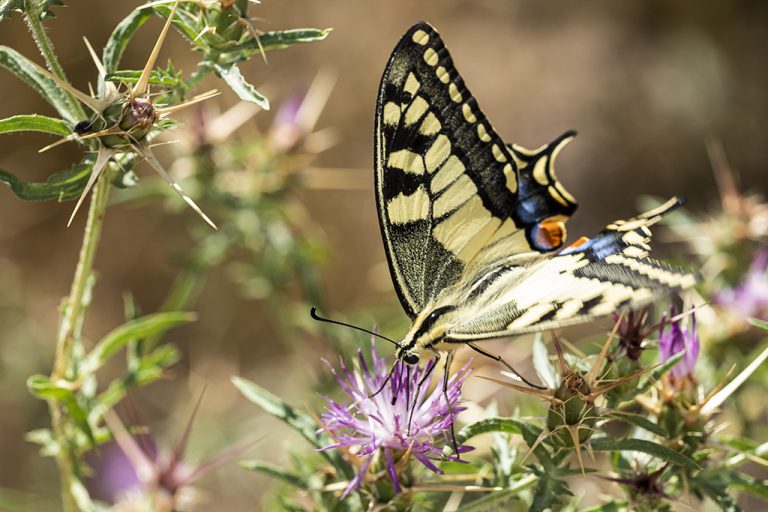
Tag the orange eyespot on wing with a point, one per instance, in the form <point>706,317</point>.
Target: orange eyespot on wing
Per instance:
<point>579,242</point>
<point>549,234</point>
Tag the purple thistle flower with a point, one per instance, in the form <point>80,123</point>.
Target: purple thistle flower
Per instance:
<point>677,339</point>
<point>390,423</point>
<point>750,297</point>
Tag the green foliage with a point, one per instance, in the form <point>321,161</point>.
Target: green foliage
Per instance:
<point>35,123</point>
<point>39,8</point>
<point>40,82</point>
<point>61,186</point>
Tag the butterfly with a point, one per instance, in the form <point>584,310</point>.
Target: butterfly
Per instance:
<point>474,229</point>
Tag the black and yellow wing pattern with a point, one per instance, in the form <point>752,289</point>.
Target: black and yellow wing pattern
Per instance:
<point>474,228</point>
<point>449,191</point>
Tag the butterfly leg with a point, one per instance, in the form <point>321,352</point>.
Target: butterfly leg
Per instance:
<point>446,375</point>
<point>427,372</point>
<point>498,358</point>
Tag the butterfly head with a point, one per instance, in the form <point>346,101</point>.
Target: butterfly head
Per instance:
<point>428,330</point>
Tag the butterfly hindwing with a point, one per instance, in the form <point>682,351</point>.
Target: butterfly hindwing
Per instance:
<point>450,194</point>
<point>591,278</point>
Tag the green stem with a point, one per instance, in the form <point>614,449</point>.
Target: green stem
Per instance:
<point>44,44</point>
<point>73,313</point>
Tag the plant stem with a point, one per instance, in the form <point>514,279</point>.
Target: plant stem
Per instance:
<point>73,313</point>
<point>44,44</point>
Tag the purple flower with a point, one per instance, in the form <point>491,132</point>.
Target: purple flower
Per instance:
<point>676,339</point>
<point>389,416</point>
<point>750,297</point>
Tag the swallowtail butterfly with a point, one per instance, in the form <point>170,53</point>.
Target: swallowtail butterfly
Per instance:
<point>474,229</point>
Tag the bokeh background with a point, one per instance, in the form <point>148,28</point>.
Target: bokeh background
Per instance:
<point>646,84</point>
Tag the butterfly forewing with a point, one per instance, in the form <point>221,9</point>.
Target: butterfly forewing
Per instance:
<point>450,194</point>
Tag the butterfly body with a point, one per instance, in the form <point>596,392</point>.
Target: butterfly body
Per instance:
<point>474,228</point>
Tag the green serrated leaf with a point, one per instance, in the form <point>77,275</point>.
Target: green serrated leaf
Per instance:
<point>507,425</point>
<point>611,444</point>
<point>129,331</point>
<point>279,40</point>
<point>640,422</point>
<point>35,123</point>
<point>236,81</point>
<point>121,36</point>
<point>277,472</point>
<point>274,405</point>
<point>22,67</point>
<point>301,422</point>
<point>61,186</point>
<point>163,77</point>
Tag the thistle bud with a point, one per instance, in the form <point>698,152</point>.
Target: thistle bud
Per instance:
<point>572,415</point>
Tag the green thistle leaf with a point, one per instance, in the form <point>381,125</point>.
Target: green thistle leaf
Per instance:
<point>22,67</point>
<point>277,472</point>
<point>61,186</point>
<point>610,444</point>
<point>236,81</point>
<point>35,123</point>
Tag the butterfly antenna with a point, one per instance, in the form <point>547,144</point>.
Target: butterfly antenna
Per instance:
<point>314,315</point>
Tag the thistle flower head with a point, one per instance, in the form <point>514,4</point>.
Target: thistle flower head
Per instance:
<point>388,418</point>
<point>750,297</point>
<point>673,338</point>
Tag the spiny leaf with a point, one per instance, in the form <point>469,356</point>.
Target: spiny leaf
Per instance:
<point>277,40</point>
<point>639,421</point>
<point>507,425</point>
<point>277,472</point>
<point>35,123</point>
<point>236,81</point>
<point>129,331</point>
<point>301,422</point>
<point>61,186</point>
<point>610,444</point>
<point>22,67</point>
<point>121,35</point>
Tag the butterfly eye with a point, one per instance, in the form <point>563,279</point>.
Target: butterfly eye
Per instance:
<point>410,358</point>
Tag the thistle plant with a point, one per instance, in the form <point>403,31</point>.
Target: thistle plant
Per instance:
<point>116,125</point>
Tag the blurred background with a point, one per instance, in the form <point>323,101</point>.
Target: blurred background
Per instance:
<point>646,84</point>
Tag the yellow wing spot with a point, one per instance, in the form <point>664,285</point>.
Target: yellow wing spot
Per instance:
<point>540,171</point>
<point>456,195</point>
<point>430,57</point>
<point>483,133</point>
<point>411,84</point>
<point>453,91</point>
<point>442,74</point>
<point>403,209</point>
<point>407,161</point>
<point>437,153</point>
<point>420,37</point>
<point>497,153</point>
<point>569,309</point>
<point>511,177</point>
<point>468,114</point>
<point>568,197</point>
<point>430,125</point>
<point>555,194</point>
<point>391,114</point>
<point>635,252</point>
<point>457,232</point>
<point>633,238</point>
<point>415,110</point>
<point>451,169</point>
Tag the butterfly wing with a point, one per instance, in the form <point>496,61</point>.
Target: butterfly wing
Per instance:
<point>590,278</point>
<point>450,194</point>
